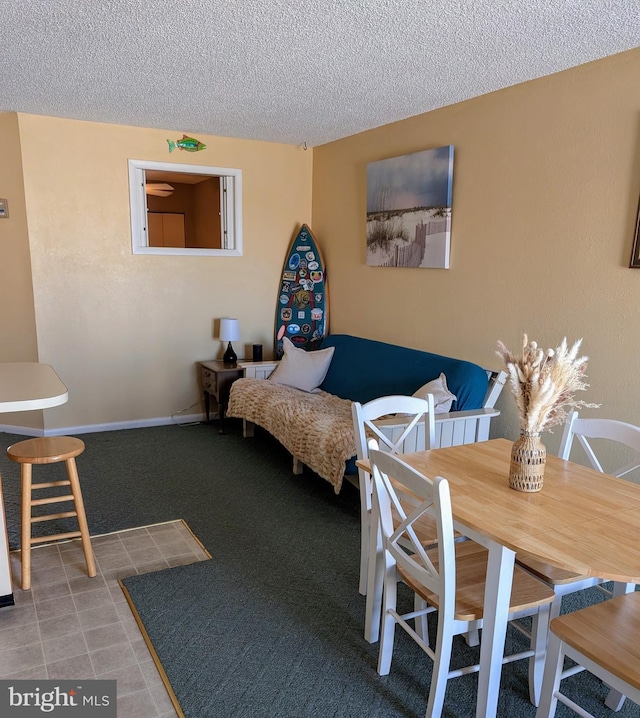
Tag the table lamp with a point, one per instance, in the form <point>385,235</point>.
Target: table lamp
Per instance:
<point>229,332</point>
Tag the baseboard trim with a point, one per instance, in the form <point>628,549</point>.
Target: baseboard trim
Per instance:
<point>112,426</point>
<point>22,430</point>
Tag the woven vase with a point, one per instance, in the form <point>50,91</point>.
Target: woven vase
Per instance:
<point>528,461</point>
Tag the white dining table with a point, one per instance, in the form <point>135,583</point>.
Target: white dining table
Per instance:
<point>24,386</point>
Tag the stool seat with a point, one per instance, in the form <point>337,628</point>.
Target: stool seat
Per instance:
<point>45,450</point>
<point>50,450</point>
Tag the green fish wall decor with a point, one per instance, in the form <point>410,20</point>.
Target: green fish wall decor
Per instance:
<point>189,144</point>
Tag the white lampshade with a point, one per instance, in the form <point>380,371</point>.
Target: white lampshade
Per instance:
<point>229,330</point>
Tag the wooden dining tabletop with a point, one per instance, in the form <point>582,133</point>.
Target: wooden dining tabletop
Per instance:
<point>582,521</point>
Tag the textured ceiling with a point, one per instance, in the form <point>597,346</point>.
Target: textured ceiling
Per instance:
<point>291,71</point>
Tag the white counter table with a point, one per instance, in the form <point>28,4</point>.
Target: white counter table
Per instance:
<point>24,386</point>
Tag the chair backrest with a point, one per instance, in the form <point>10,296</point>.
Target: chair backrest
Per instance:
<point>611,429</point>
<point>415,431</point>
<point>413,427</point>
<point>398,488</point>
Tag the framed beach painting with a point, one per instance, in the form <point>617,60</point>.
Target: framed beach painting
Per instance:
<point>409,209</point>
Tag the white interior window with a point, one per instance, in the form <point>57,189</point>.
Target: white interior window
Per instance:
<point>185,209</point>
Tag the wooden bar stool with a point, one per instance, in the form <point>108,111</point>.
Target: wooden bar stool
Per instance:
<point>50,450</point>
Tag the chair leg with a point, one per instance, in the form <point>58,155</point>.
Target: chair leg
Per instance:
<point>72,472</point>
<point>375,580</point>
<point>421,626</point>
<point>551,681</point>
<point>25,540</point>
<point>388,621</point>
<point>440,675</point>
<point>365,527</point>
<point>472,637</point>
<point>365,485</point>
<point>615,699</point>
<point>539,636</point>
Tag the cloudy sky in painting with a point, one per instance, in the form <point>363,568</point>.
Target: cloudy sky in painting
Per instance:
<point>421,179</point>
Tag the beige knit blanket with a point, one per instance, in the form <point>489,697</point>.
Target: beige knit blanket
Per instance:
<point>316,428</point>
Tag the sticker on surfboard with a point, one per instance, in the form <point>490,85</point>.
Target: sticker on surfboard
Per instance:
<point>301,314</point>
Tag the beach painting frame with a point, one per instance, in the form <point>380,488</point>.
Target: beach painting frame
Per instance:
<point>635,252</point>
<point>409,209</point>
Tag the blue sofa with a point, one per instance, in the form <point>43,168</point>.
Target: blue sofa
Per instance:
<point>317,428</point>
<point>364,369</point>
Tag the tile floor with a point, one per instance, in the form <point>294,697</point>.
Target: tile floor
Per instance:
<point>72,626</point>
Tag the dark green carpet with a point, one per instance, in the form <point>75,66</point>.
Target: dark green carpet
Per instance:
<point>272,625</point>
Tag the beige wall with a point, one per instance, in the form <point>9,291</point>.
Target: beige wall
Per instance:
<point>124,331</point>
<point>17,318</point>
<point>546,186</point>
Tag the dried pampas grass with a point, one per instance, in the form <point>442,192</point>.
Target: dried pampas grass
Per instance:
<point>544,383</point>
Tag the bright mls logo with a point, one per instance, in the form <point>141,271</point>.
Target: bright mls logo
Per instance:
<point>78,699</point>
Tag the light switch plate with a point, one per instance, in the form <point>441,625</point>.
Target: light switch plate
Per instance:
<point>4,208</point>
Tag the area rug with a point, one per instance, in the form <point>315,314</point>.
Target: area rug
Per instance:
<point>255,640</point>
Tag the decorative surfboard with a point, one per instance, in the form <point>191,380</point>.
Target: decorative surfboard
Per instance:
<point>303,302</point>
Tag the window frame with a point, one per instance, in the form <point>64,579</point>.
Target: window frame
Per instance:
<point>230,207</point>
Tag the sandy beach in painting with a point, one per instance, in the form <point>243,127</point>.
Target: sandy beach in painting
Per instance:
<point>404,225</point>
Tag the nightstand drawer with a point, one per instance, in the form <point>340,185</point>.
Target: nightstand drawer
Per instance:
<point>209,380</point>
<point>216,379</point>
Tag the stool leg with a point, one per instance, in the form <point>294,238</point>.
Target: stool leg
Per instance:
<point>25,541</point>
<point>72,472</point>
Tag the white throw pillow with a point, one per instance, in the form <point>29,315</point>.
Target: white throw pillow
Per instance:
<point>442,397</point>
<point>302,369</point>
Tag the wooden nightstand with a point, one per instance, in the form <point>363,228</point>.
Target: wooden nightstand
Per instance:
<point>216,379</point>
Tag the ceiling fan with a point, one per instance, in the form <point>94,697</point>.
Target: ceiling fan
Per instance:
<point>158,189</point>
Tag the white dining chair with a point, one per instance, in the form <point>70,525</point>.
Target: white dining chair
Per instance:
<point>585,431</point>
<point>449,578</point>
<point>603,639</point>
<point>410,426</point>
